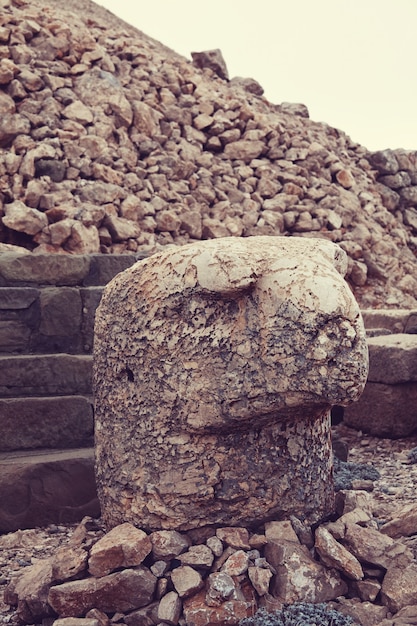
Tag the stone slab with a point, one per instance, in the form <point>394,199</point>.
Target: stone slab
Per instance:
<point>62,269</point>
<point>45,375</point>
<point>46,487</point>
<point>104,267</point>
<point>14,336</point>
<point>394,320</point>
<point>392,358</point>
<point>61,422</point>
<point>385,410</point>
<point>43,269</point>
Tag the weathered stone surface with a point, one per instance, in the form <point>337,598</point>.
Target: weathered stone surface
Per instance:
<point>59,422</point>
<point>23,218</point>
<point>65,488</point>
<point>393,359</point>
<point>170,608</point>
<point>404,524</point>
<point>29,593</point>
<point>213,60</point>
<point>186,580</point>
<point>371,547</point>
<point>168,544</point>
<point>47,269</point>
<point>223,336</point>
<point>376,412</point>
<point>405,617</point>
<point>236,564</point>
<point>14,336</point>
<point>260,578</point>
<point>234,537</point>
<point>42,375</point>
<point>399,586</point>
<point>230,612</point>
<point>298,577</point>
<point>200,557</point>
<point>123,591</point>
<point>124,546</point>
<point>333,554</point>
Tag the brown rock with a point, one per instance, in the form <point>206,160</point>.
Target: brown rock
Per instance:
<point>298,577</point>
<point>260,578</point>
<point>393,359</point>
<point>230,612</point>
<point>403,525</point>
<point>236,564</point>
<point>24,219</point>
<point>235,537</point>
<point>376,411</point>
<point>168,544</point>
<point>197,556</point>
<point>333,554</point>
<point>399,586</point>
<point>123,591</point>
<point>124,546</point>
<point>170,607</point>
<point>29,592</point>
<point>212,59</point>
<point>372,547</point>
<point>186,580</point>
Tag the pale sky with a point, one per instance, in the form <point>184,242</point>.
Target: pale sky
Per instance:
<point>352,62</point>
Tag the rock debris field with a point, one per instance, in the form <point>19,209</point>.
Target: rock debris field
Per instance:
<point>110,142</point>
<point>363,564</point>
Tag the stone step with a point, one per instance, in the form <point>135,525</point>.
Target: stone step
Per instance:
<point>45,487</point>
<point>47,320</point>
<point>56,422</point>
<point>43,375</point>
<point>392,320</point>
<point>62,269</point>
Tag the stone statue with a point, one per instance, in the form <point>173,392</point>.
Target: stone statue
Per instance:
<point>215,368</point>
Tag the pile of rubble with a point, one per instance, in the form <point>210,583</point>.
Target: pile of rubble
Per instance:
<point>357,564</point>
<point>110,142</point>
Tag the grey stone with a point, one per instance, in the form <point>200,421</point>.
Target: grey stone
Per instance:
<point>14,336</point>
<point>385,410</point>
<point>60,311</point>
<point>60,422</point>
<point>17,297</point>
<point>52,269</point>
<point>41,375</point>
<point>393,358</point>
<point>41,488</point>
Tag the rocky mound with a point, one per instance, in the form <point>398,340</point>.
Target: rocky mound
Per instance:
<point>110,142</point>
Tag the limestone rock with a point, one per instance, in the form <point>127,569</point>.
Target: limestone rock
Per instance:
<point>186,580</point>
<point>24,219</point>
<point>126,590</point>
<point>335,555</point>
<point>398,587</point>
<point>376,411</point>
<point>370,546</point>
<point>170,608</point>
<point>404,524</point>
<point>394,359</point>
<point>227,338</point>
<point>298,577</point>
<point>213,60</point>
<point>124,546</point>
